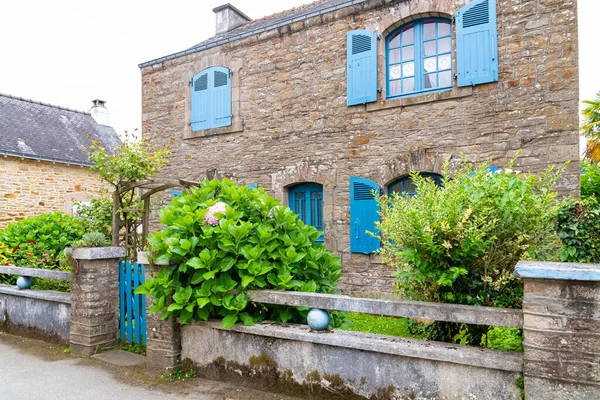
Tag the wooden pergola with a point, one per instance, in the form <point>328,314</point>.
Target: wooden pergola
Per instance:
<point>147,189</point>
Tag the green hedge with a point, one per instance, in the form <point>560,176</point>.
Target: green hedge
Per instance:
<point>578,226</point>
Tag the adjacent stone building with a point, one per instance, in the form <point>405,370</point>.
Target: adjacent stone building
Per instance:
<point>324,102</point>
<point>43,157</point>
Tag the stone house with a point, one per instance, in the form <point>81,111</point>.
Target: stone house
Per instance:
<point>322,103</point>
<point>43,158</point>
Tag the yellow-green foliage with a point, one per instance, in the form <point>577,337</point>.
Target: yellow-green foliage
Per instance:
<point>460,243</point>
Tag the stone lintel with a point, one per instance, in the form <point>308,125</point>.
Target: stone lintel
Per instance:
<point>558,271</point>
<point>98,253</point>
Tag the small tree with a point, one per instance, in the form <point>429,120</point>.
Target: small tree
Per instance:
<point>459,243</point>
<point>129,164</point>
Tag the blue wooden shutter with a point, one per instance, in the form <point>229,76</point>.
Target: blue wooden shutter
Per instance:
<point>361,49</point>
<point>477,43</point>
<point>221,97</point>
<point>200,102</point>
<point>364,213</point>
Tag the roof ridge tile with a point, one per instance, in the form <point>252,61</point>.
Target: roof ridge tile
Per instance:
<point>43,104</point>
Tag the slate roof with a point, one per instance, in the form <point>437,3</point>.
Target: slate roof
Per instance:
<point>282,16</point>
<point>259,25</point>
<point>38,130</point>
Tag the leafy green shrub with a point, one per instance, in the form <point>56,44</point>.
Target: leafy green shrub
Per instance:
<point>590,180</point>
<point>223,239</point>
<point>36,242</point>
<point>578,227</point>
<point>501,338</point>
<point>459,243</point>
<point>92,239</point>
<point>97,214</point>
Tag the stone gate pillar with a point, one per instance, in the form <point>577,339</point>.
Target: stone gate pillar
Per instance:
<point>561,324</point>
<point>95,299</point>
<point>163,338</point>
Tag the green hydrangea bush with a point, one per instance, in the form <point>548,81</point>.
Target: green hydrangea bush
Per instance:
<point>222,239</point>
<point>37,242</point>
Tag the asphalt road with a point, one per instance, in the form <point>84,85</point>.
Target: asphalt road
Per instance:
<point>33,370</point>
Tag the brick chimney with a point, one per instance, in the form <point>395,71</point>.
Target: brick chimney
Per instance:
<point>229,17</point>
<point>100,112</point>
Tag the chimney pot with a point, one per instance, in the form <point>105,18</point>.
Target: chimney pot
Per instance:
<point>99,112</point>
<point>229,17</point>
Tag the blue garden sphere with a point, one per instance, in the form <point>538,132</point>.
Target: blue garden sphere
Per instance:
<point>24,282</point>
<point>318,319</point>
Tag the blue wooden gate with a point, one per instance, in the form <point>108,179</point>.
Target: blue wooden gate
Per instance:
<point>132,321</point>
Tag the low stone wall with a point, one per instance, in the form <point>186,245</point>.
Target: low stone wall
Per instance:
<point>35,313</point>
<point>353,364</point>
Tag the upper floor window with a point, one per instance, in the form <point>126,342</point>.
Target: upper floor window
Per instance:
<point>419,57</point>
<point>211,99</point>
<point>406,186</point>
<point>306,200</point>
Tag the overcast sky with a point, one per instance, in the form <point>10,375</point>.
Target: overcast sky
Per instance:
<point>69,52</point>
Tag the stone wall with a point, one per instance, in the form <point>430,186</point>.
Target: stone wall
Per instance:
<point>561,313</point>
<point>41,314</point>
<point>309,364</point>
<point>291,123</point>
<point>31,187</point>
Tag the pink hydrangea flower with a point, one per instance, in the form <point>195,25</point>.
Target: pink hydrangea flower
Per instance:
<point>210,217</point>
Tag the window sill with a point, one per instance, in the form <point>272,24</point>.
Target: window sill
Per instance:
<point>224,130</point>
<point>455,93</point>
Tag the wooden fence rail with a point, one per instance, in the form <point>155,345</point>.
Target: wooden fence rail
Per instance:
<point>394,308</point>
<point>35,272</point>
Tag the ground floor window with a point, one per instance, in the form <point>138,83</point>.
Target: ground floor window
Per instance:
<point>306,200</point>
<point>406,186</point>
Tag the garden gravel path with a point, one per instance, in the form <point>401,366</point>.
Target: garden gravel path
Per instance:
<point>34,370</point>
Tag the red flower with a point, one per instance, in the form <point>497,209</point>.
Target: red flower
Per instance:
<point>15,248</point>
<point>28,255</point>
<point>6,264</point>
<point>31,241</point>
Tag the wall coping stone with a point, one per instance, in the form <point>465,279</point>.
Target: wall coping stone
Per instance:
<point>558,270</point>
<point>429,350</point>
<point>35,272</point>
<point>47,295</point>
<point>98,253</point>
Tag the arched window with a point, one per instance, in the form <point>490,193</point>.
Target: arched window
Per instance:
<point>419,57</point>
<point>211,99</point>
<point>306,200</point>
<point>406,186</point>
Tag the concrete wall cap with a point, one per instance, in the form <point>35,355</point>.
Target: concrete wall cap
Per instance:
<point>98,253</point>
<point>559,271</point>
<point>46,295</point>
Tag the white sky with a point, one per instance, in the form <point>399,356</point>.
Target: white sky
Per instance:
<point>69,52</point>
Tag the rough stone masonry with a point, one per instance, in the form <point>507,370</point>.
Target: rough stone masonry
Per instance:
<point>291,123</point>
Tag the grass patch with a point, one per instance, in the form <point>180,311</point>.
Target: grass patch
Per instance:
<point>135,348</point>
<point>377,324</point>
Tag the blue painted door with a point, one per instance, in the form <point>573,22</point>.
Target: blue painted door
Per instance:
<point>132,321</point>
